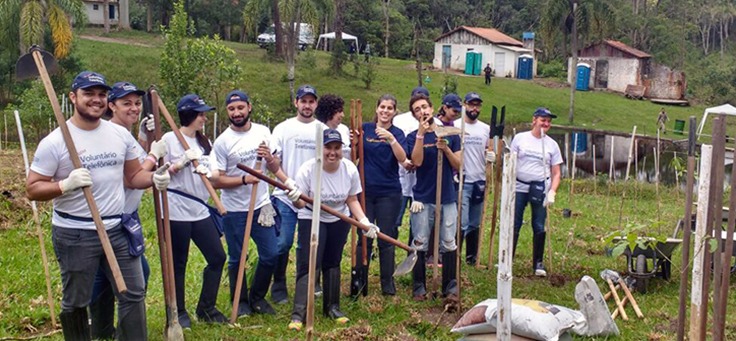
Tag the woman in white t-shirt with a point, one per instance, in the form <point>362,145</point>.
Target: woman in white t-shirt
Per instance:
<point>340,187</point>
<point>190,217</point>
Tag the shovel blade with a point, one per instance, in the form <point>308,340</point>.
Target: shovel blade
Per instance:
<point>407,265</point>
<point>26,68</point>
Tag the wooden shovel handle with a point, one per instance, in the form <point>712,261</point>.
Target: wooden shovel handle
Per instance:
<point>74,156</point>
<point>618,300</point>
<point>185,145</point>
<point>639,314</point>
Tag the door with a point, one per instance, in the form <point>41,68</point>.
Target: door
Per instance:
<point>446,56</point>
<point>601,74</point>
<point>112,11</point>
<point>499,61</point>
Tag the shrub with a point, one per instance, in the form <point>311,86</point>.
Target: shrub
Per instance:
<point>553,69</point>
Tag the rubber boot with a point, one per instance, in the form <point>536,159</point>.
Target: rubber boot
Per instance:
<point>299,312</point>
<point>331,299</point>
<point>471,246</point>
<point>243,303</point>
<point>132,324</point>
<point>258,291</point>
<point>102,315</point>
<point>538,254</point>
<point>419,277</point>
<point>279,294</point>
<point>75,325</point>
<point>449,273</point>
<point>386,258</point>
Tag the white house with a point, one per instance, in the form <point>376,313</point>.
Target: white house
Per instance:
<point>496,48</point>
<point>95,12</point>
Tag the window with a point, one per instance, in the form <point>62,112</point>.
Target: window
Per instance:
<point>95,7</point>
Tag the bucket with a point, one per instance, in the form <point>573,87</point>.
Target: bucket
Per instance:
<point>679,127</point>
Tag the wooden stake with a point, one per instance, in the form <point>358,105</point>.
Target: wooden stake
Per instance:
<point>505,247</point>
<point>610,167</point>
<point>458,224</point>
<point>699,245</point>
<point>631,152</point>
<point>686,230</point>
<point>595,174</point>
<point>314,235</point>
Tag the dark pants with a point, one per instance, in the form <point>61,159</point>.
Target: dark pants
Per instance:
<point>381,211</point>
<point>405,202</point>
<point>332,238</point>
<point>205,236</point>
<point>488,79</point>
<point>79,253</point>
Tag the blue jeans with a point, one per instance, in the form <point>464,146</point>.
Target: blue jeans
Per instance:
<point>471,214</point>
<point>539,213</point>
<point>423,223</point>
<point>264,237</point>
<point>288,226</point>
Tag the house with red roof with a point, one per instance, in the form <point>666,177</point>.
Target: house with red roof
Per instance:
<point>490,45</point>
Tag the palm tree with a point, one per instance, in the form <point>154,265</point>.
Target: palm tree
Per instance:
<point>23,22</point>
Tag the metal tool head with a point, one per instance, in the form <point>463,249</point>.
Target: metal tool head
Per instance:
<point>407,265</point>
<point>444,131</point>
<point>26,68</point>
<point>610,274</point>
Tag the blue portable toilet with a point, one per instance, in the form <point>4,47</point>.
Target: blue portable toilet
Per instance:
<point>469,62</point>
<point>583,77</point>
<point>525,69</point>
<point>579,142</point>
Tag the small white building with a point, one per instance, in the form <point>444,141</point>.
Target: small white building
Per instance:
<point>497,49</point>
<point>95,11</point>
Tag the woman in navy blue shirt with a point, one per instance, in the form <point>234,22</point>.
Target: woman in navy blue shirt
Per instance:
<point>383,151</point>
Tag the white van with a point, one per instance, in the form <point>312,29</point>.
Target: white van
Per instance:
<point>306,36</point>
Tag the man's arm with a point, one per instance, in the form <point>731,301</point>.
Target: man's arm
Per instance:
<point>41,188</point>
<point>555,177</point>
<point>135,176</point>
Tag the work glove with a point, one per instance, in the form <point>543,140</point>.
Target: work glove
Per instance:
<point>373,230</point>
<point>77,178</point>
<point>147,125</point>
<point>266,217</point>
<point>549,199</point>
<point>416,207</point>
<point>294,194</point>
<point>290,183</point>
<point>203,170</point>
<point>490,156</point>
<point>158,149</point>
<point>161,177</point>
<point>190,155</point>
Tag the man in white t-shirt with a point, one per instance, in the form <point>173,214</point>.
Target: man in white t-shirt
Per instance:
<point>243,142</point>
<point>109,155</point>
<point>293,142</point>
<point>474,182</point>
<point>537,168</point>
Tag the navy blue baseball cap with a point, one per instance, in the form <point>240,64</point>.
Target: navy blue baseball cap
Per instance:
<point>472,96</point>
<point>331,135</point>
<point>306,90</point>
<point>236,95</point>
<point>420,90</point>
<point>192,102</point>
<point>452,101</point>
<point>89,79</point>
<point>544,112</point>
<point>122,89</point>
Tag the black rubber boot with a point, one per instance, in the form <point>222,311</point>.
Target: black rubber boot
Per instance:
<point>419,277</point>
<point>258,291</point>
<point>331,299</point>
<point>75,325</point>
<point>449,273</point>
<point>538,254</point>
<point>243,303</point>
<point>386,259</point>
<point>279,294</point>
<point>102,315</point>
<point>299,312</point>
<point>471,246</point>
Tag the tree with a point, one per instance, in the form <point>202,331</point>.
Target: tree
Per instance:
<point>23,23</point>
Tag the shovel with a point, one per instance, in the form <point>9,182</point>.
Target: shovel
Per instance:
<point>32,65</point>
<point>404,268</point>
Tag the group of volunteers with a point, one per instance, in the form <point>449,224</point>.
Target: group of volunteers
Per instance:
<point>400,160</point>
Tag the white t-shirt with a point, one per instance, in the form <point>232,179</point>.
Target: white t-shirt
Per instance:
<point>233,147</point>
<point>103,151</point>
<point>133,196</point>
<point>185,180</point>
<point>407,123</point>
<point>293,142</point>
<point>530,164</point>
<point>336,187</point>
<point>474,153</point>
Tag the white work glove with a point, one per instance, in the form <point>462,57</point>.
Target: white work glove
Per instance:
<point>203,170</point>
<point>549,199</point>
<point>265,218</point>
<point>193,154</point>
<point>158,149</point>
<point>416,207</point>
<point>490,156</point>
<point>290,183</point>
<point>373,230</point>
<point>294,194</point>
<point>161,179</point>
<point>147,125</point>
<point>77,178</point>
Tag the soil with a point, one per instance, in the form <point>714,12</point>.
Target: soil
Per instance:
<point>114,40</point>
<point>15,207</point>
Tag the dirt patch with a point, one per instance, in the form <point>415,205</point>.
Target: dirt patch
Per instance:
<point>14,207</point>
<point>114,40</point>
<point>558,280</point>
<point>550,83</point>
